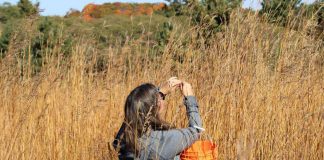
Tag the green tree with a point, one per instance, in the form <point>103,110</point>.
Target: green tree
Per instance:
<point>176,7</point>
<point>217,11</point>
<point>277,11</point>
<point>27,8</point>
<point>211,15</point>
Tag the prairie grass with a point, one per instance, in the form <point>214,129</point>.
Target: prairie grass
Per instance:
<point>260,89</point>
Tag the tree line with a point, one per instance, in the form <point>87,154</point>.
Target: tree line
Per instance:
<point>207,16</point>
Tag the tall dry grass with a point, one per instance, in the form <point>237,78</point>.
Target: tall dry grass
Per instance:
<point>260,89</point>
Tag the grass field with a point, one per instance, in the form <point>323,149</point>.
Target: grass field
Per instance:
<point>260,89</point>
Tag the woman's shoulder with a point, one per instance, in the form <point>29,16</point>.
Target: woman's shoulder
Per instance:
<point>174,134</point>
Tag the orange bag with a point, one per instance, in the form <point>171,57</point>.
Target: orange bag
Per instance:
<point>200,150</point>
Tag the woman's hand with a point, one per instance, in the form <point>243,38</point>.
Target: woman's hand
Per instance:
<point>186,89</point>
<point>170,85</point>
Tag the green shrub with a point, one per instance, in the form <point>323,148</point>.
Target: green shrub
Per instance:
<point>164,34</point>
<point>278,11</point>
<point>319,8</point>
<point>210,16</point>
<point>46,38</point>
<point>8,12</point>
<point>6,36</point>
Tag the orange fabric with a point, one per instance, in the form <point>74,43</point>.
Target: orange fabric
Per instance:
<point>200,150</point>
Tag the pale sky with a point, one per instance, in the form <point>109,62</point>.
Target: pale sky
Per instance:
<point>256,4</point>
<point>60,7</point>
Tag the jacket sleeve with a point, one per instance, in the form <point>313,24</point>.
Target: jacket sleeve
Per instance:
<point>170,143</point>
<point>192,112</point>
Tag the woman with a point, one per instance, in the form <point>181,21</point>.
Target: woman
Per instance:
<point>144,135</point>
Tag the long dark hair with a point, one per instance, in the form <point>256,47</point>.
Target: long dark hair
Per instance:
<point>141,115</point>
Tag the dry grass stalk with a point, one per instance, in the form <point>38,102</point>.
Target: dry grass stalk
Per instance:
<point>260,90</point>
